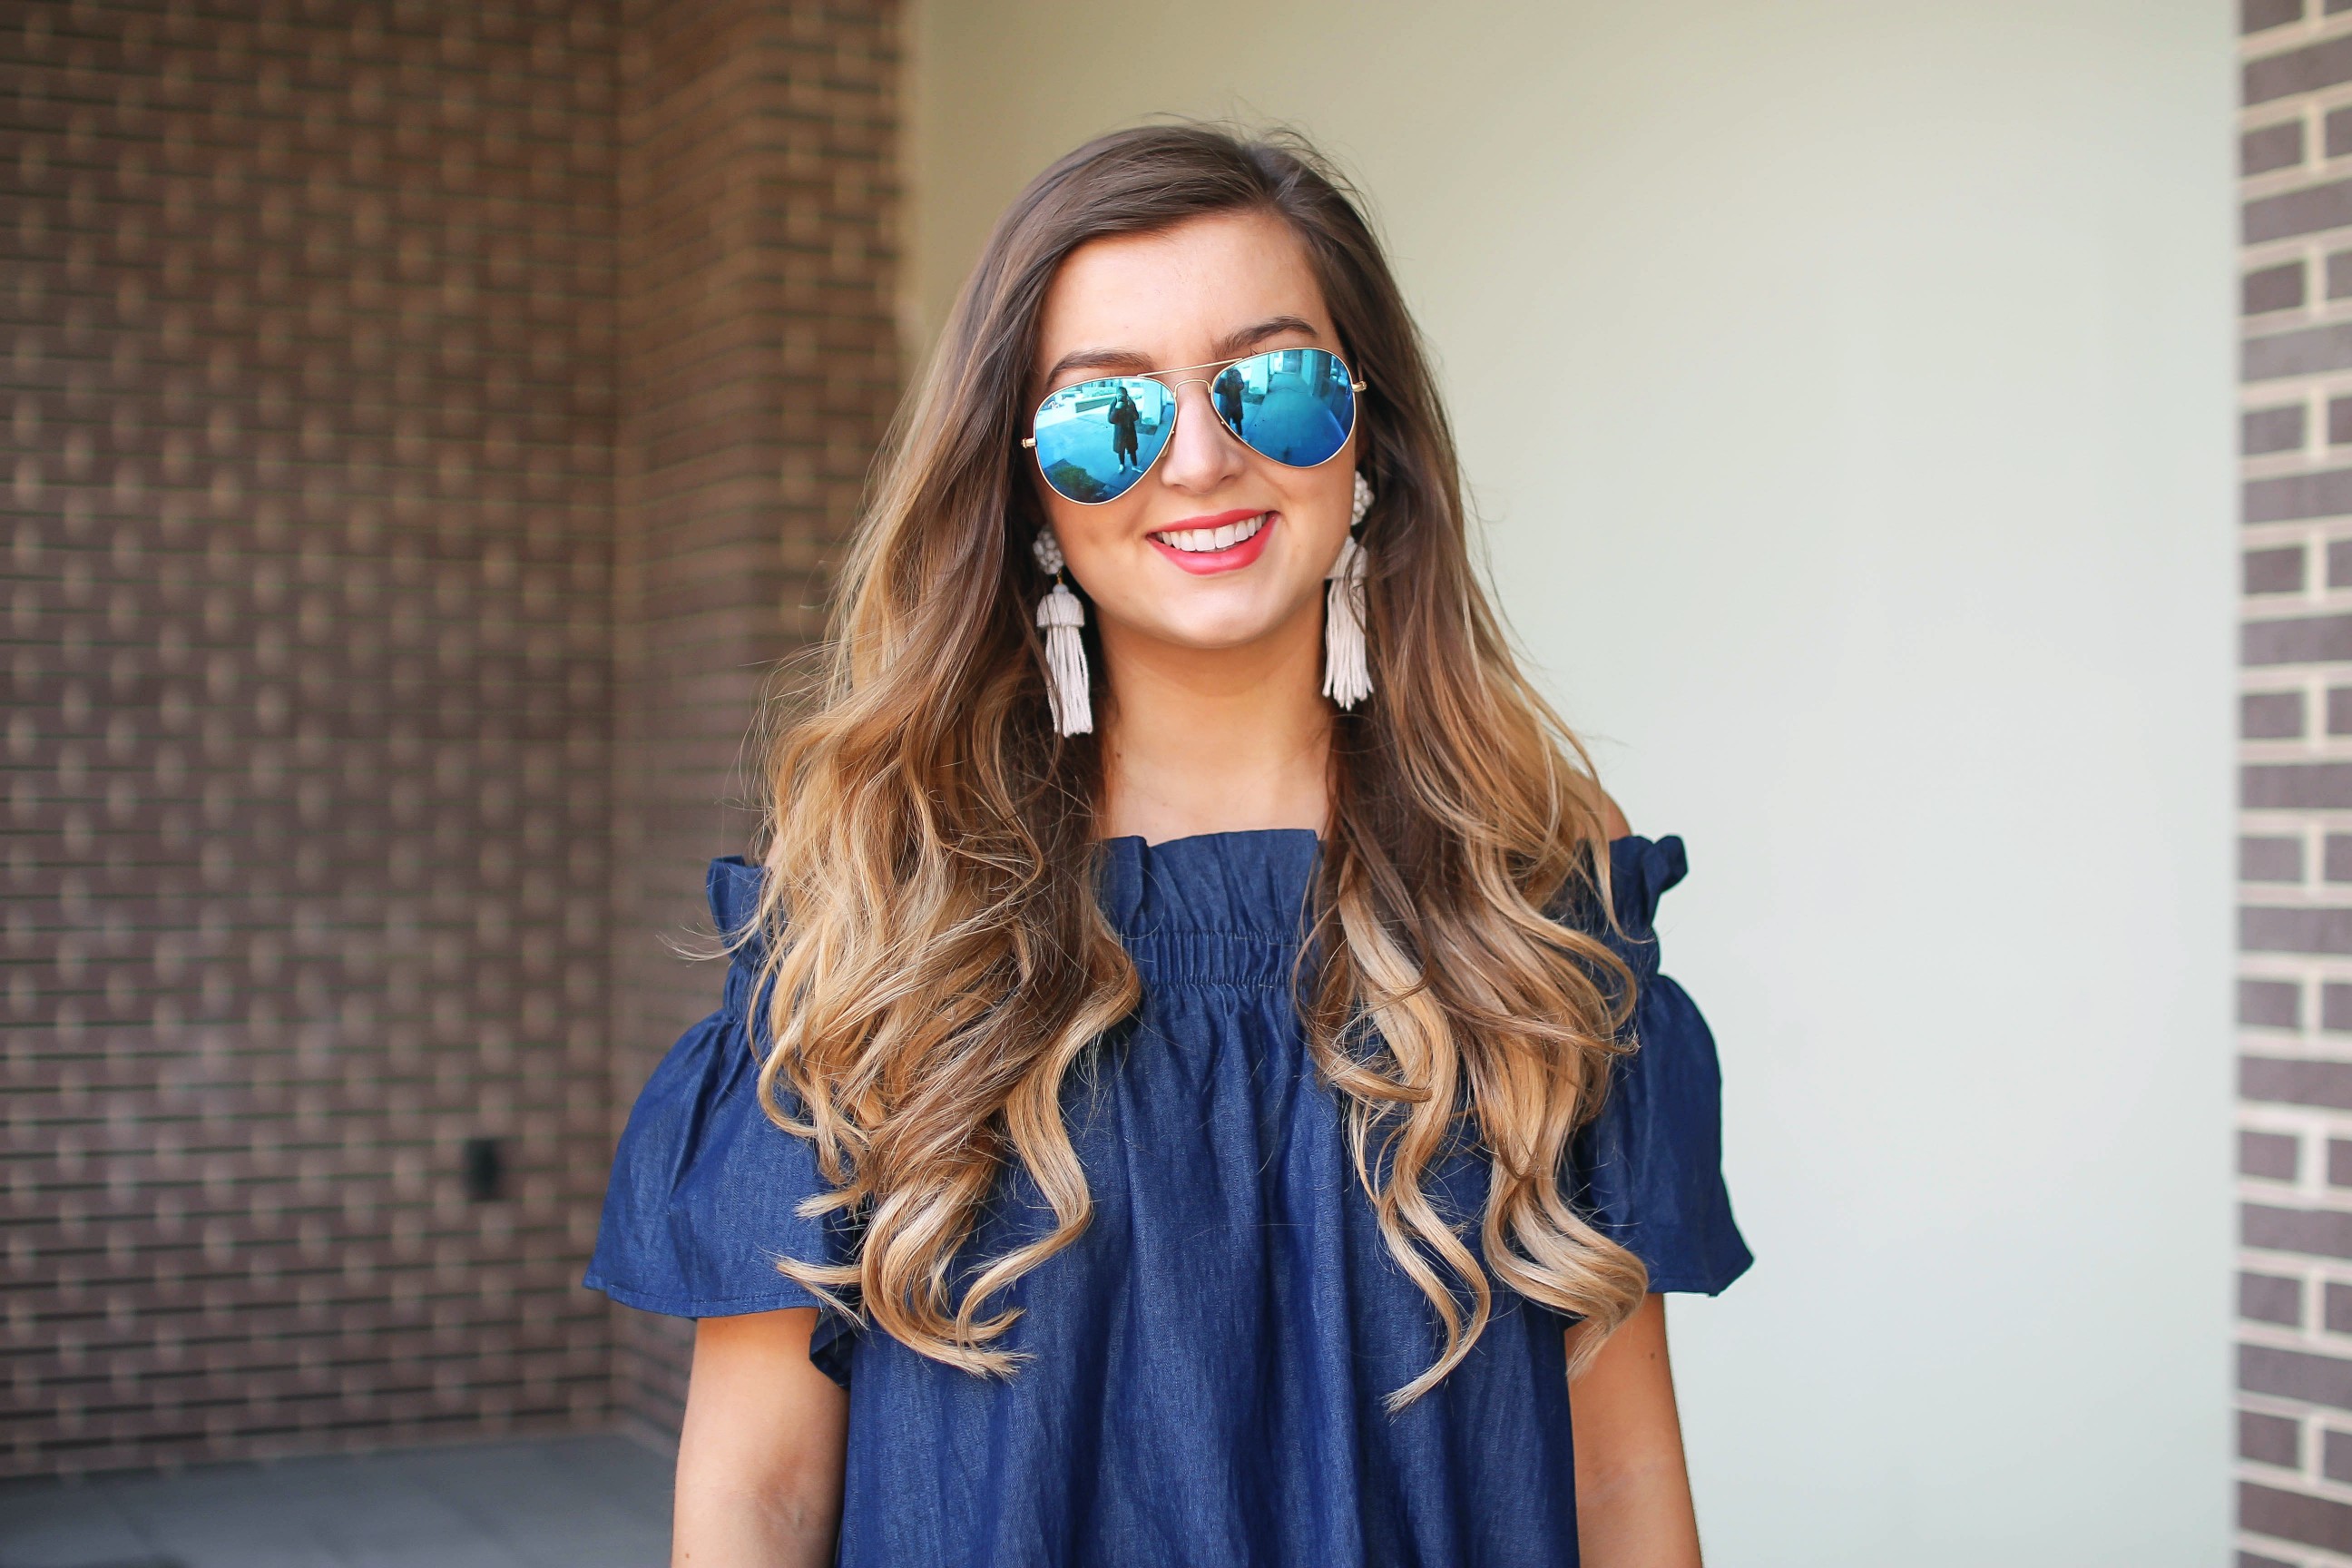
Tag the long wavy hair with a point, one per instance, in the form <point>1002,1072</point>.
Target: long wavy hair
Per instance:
<point>936,958</point>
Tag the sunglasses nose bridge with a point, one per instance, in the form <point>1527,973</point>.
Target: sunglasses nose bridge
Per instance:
<point>1208,386</point>
<point>1224,448</point>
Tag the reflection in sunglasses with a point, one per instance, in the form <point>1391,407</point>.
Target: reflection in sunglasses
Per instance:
<point>1095,439</point>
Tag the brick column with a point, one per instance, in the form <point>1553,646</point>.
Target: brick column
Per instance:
<point>757,368</point>
<point>2294,995</point>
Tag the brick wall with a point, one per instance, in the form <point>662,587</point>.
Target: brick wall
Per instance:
<point>758,351</point>
<point>2294,996</point>
<point>406,398</point>
<point>308,722</point>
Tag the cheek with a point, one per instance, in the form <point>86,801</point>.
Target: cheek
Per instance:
<point>1086,531</point>
<point>1074,525</point>
<point>1320,503</point>
<point>1092,538</point>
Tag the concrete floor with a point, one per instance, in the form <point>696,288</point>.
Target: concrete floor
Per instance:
<point>571,1502</point>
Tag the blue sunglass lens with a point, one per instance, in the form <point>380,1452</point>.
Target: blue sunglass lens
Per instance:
<point>1295,406</point>
<point>1096,438</point>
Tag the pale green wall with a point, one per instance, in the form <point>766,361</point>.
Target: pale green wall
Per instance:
<point>1847,388</point>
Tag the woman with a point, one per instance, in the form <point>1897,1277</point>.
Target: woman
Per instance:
<point>1194,1085</point>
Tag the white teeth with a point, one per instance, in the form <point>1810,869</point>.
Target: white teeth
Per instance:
<point>1200,540</point>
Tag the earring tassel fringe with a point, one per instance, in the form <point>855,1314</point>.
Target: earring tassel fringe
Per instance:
<point>1059,617</point>
<point>1346,667</point>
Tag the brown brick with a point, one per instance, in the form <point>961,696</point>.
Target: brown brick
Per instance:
<point>2261,859</point>
<point>2323,1233</point>
<point>2289,785</point>
<point>2261,16</point>
<point>2294,1374</point>
<point>2270,1298</point>
<point>2272,1156</point>
<point>2269,147</point>
<point>2273,929</point>
<point>2291,1080</point>
<point>2277,570</point>
<point>2274,715</point>
<point>2293,1516</point>
<point>2269,1439</point>
<point>2268,289</point>
<point>2308,210</point>
<point>2305,69</point>
<point>2305,351</point>
<point>2292,498</point>
<point>2270,1003</point>
<point>2302,639</point>
<point>2279,429</point>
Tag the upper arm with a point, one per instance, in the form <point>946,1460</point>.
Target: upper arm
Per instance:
<point>1632,1491</point>
<point>759,1457</point>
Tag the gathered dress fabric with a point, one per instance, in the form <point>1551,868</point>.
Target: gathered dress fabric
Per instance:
<point>1207,1362</point>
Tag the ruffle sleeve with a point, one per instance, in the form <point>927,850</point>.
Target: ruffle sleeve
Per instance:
<point>704,1188</point>
<point>1648,1171</point>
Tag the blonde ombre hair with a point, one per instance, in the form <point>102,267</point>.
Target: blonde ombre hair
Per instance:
<point>936,956</point>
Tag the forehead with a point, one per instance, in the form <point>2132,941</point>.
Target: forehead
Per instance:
<point>1177,291</point>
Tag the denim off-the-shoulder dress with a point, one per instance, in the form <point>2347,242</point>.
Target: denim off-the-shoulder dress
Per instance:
<point>1207,1362</point>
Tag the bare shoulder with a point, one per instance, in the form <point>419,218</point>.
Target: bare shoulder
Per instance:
<point>1613,819</point>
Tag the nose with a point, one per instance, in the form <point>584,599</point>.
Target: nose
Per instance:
<point>1202,454</point>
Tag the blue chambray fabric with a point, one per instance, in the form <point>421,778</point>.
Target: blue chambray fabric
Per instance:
<point>1207,1362</point>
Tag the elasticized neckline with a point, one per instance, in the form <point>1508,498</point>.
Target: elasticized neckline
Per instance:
<point>1251,884</point>
<point>1232,907</point>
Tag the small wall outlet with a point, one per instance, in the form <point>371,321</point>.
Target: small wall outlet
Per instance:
<point>485,1169</point>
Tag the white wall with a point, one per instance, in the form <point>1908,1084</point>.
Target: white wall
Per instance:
<point>1848,389</point>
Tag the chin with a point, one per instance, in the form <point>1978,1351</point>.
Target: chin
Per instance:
<point>1221,637</point>
<point>1214,615</point>
<point>1219,628</point>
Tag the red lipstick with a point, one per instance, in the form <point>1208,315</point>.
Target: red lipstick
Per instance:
<point>1233,558</point>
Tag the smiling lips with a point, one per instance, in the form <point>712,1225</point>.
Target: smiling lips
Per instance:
<point>1225,543</point>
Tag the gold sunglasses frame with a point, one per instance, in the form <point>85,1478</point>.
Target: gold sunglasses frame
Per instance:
<point>1029,443</point>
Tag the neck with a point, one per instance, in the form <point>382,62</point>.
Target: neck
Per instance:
<point>1216,740</point>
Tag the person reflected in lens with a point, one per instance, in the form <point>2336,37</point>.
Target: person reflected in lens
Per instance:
<point>1124,418</point>
<point>1229,400</point>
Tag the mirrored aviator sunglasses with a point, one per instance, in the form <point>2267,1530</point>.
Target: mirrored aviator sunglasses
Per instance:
<point>1095,439</point>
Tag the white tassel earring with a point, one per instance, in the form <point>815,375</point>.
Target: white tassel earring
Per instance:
<point>1347,663</point>
<point>1059,617</point>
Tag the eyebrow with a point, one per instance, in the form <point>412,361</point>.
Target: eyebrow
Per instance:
<point>1231,346</point>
